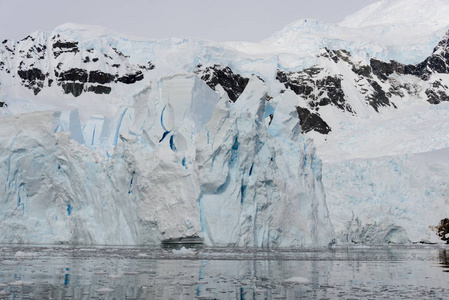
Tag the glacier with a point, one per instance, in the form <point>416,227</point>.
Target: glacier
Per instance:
<point>186,164</point>
<point>320,134</point>
<point>398,199</point>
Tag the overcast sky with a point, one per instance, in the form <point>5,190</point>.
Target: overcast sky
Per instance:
<point>219,20</point>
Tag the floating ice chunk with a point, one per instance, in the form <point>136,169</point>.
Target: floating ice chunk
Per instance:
<point>361,247</point>
<point>204,297</point>
<point>9,262</point>
<point>183,251</point>
<point>297,280</point>
<point>24,254</point>
<point>104,291</point>
<point>100,273</point>
<point>131,273</point>
<point>186,283</point>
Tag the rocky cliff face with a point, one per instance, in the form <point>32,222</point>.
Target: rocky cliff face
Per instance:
<point>39,62</point>
<point>378,83</point>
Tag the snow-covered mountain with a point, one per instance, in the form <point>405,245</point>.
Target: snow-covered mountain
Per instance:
<point>113,140</point>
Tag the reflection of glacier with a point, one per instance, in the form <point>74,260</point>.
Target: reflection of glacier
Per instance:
<point>155,273</point>
<point>179,162</point>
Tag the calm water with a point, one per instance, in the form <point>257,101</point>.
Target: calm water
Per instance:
<point>397,272</point>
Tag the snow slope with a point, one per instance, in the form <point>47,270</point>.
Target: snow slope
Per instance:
<point>432,13</point>
<point>108,139</point>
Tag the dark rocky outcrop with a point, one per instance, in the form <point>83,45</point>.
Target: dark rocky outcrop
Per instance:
<point>436,63</point>
<point>65,45</point>
<point>437,93</point>
<point>99,89</point>
<point>73,88</point>
<point>31,74</point>
<point>74,74</point>
<point>378,98</point>
<point>120,53</point>
<point>311,121</point>
<point>319,87</point>
<point>150,66</point>
<point>436,97</point>
<point>131,78</point>
<point>72,80</point>
<point>362,70</point>
<point>336,55</point>
<point>9,49</point>
<point>32,79</point>
<point>316,91</point>
<point>100,77</point>
<point>233,84</point>
<point>297,84</point>
<point>443,230</point>
<point>383,69</point>
<point>60,47</point>
<point>77,89</point>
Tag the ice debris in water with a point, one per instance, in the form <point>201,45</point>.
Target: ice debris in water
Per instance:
<point>21,283</point>
<point>297,280</point>
<point>183,251</point>
<point>104,290</point>
<point>24,254</point>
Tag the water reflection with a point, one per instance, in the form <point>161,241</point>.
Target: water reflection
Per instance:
<point>164,273</point>
<point>444,259</point>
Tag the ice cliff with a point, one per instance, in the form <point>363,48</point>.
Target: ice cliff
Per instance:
<point>321,133</point>
<point>187,165</point>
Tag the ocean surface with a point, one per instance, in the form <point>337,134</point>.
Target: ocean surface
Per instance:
<point>196,272</point>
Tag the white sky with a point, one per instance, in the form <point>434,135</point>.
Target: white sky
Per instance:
<point>219,20</point>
